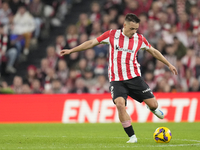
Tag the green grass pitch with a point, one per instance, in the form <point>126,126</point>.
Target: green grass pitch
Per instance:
<point>185,136</point>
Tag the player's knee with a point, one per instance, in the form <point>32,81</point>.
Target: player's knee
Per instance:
<point>153,105</point>
<point>120,103</point>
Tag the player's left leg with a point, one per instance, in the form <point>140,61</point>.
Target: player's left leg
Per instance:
<point>152,104</point>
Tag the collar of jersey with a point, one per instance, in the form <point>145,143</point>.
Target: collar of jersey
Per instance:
<point>125,35</point>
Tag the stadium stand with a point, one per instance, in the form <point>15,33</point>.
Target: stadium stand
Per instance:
<point>173,27</point>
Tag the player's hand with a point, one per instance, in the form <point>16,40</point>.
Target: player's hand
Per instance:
<point>173,69</point>
<point>65,52</point>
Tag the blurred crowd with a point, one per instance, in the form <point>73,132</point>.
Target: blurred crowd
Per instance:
<point>23,23</point>
<point>172,27</point>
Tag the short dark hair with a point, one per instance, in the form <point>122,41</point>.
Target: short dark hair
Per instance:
<point>132,17</point>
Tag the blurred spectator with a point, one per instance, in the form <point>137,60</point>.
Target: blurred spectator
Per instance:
<point>36,87</point>
<point>191,39</point>
<point>5,12</point>
<point>160,86</point>
<point>14,5</point>
<point>44,64</point>
<point>197,68</point>
<point>167,88</point>
<point>24,25</point>
<point>180,6</point>
<point>188,80</point>
<point>163,18</point>
<point>84,24</point>
<point>50,76</point>
<point>5,89</point>
<point>80,87</point>
<point>52,56</point>
<point>169,77</point>
<point>152,34</point>
<point>95,12</point>
<point>105,22</point>
<point>159,71</point>
<point>183,23</point>
<point>113,13</point>
<point>57,87</point>
<point>31,75</point>
<point>17,85</point>
<point>167,34</point>
<point>26,89</point>
<point>89,78</point>
<point>82,64</point>
<point>170,54</point>
<point>96,30</point>
<point>90,57</point>
<point>171,14</point>
<point>160,45</point>
<point>72,60</point>
<point>165,3</point>
<point>120,21</point>
<point>36,8</point>
<point>197,46</point>
<point>8,51</point>
<point>180,49</point>
<point>149,79</point>
<point>73,75</point>
<point>101,67</point>
<point>193,12</point>
<point>189,60</point>
<point>143,23</point>
<point>60,44</point>
<point>181,69</point>
<point>195,87</point>
<point>113,26</point>
<point>102,85</point>
<point>154,11</point>
<point>63,72</point>
<point>72,36</point>
<point>83,38</point>
<point>61,9</point>
<point>132,6</point>
<point>145,5</point>
<point>146,61</point>
<point>112,3</point>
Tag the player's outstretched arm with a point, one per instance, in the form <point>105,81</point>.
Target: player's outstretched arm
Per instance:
<point>155,53</point>
<point>86,45</point>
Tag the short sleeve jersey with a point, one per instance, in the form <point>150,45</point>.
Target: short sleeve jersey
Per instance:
<point>123,64</point>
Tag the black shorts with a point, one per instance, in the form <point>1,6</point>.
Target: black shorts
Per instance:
<point>135,88</point>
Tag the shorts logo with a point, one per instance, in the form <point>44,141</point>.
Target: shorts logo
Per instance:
<point>111,90</point>
<point>147,90</point>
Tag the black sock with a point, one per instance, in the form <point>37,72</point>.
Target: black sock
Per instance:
<point>129,131</point>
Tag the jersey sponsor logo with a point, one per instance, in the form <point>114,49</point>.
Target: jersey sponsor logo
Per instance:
<point>123,49</point>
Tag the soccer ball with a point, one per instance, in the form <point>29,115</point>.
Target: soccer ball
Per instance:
<point>162,135</point>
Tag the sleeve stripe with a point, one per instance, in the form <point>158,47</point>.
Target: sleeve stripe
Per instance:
<point>145,41</point>
<point>103,36</point>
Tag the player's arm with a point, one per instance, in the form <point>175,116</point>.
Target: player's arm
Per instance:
<point>84,46</point>
<point>155,53</point>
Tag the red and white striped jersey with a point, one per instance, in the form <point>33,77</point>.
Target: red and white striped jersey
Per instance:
<point>123,64</point>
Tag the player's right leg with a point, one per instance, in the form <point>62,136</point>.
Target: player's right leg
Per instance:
<point>119,95</point>
<point>125,119</point>
<point>152,105</point>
